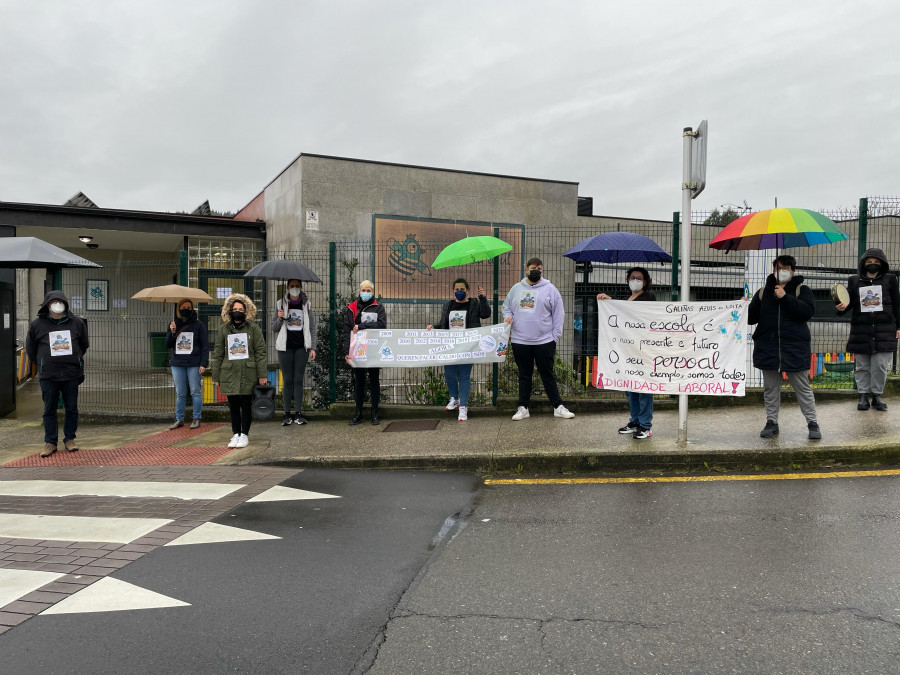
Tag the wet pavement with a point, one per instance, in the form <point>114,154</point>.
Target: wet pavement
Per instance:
<point>719,437</point>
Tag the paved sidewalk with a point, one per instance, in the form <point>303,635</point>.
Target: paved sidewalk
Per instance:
<point>719,437</point>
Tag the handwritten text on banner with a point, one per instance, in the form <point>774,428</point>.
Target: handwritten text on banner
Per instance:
<point>416,348</point>
<point>672,348</point>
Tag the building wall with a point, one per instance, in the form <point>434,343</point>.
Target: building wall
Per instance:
<point>346,193</point>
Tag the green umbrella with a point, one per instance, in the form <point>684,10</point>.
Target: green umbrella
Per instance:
<point>469,250</point>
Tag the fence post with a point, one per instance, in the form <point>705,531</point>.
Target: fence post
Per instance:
<point>676,237</point>
<point>495,370</point>
<point>332,323</point>
<point>863,225</point>
<point>182,268</point>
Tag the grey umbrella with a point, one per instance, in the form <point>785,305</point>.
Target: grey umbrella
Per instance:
<point>283,269</point>
<point>29,252</point>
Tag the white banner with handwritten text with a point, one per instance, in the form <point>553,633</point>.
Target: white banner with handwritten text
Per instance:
<point>672,347</point>
<point>418,348</point>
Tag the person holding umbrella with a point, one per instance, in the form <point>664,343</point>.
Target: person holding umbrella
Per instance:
<point>874,325</point>
<point>56,343</point>
<point>295,325</point>
<point>187,337</point>
<point>239,363</point>
<point>640,404</point>
<point>461,312</point>
<point>782,343</point>
<point>534,307</point>
<point>364,313</point>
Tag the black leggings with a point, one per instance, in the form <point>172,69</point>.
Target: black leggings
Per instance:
<point>239,407</point>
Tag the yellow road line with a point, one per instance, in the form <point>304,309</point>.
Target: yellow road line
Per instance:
<point>691,479</point>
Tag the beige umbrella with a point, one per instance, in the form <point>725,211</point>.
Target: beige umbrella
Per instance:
<point>171,293</point>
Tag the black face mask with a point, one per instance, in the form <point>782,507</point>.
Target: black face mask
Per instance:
<point>534,275</point>
<point>872,268</point>
<point>238,317</point>
<point>185,313</point>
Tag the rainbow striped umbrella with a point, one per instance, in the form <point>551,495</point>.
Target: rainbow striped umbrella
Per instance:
<point>777,228</point>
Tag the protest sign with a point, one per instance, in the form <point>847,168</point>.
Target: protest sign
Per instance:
<point>418,348</point>
<point>672,347</point>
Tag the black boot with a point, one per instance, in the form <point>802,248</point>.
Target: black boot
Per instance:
<point>357,418</point>
<point>375,416</point>
<point>877,403</point>
<point>863,402</point>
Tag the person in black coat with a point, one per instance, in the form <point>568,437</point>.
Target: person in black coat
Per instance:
<point>56,343</point>
<point>640,404</point>
<point>459,313</point>
<point>782,343</point>
<point>188,338</point>
<point>875,303</point>
<point>364,313</point>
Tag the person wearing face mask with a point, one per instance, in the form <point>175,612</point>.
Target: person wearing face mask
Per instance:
<point>56,343</point>
<point>461,312</point>
<point>874,324</point>
<point>534,307</point>
<point>187,338</point>
<point>640,405</point>
<point>295,325</point>
<point>782,343</point>
<point>364,313</point>
<point>239,363</point>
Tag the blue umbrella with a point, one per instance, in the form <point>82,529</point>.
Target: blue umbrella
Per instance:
<point>614,247</point>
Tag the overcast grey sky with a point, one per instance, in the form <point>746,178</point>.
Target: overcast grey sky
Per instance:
<point>160,105</point>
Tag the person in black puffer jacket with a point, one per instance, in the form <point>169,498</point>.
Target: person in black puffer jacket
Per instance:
<point>875,303</point>
<point>56,343</point>
<point>187,336</point>
<point>782,343</point>
<point>364,313</point>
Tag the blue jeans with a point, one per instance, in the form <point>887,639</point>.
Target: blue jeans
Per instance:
<point>182,376</point>
<point>459,382</point>
<point>641,408</point>
<point>50,391</point>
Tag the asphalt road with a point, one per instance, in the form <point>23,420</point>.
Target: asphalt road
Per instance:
<point>312,602</point>
<point>783,576</point>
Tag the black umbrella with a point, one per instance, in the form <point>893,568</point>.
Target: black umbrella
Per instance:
<point>283,269</point>
<point>30,252</point>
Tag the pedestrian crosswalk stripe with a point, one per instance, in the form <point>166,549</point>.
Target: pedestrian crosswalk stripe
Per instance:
<point>16,583</point>
<point>77,528</point>
<point>68,488</point>
<point>694,479</point>
<point>280,493</point>
<point>112,595</point>
<point>213,533</point>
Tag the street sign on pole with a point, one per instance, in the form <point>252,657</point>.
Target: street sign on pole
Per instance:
<point>698,159</point>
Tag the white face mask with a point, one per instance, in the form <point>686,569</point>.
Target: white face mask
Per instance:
<point>784,276</point>
<point>57,307</point>
<point>635,285</point>
<point>294,292</point>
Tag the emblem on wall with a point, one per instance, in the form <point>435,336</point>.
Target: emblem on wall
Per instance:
<point>405,257</point>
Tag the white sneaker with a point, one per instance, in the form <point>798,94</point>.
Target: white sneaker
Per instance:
<point>463,413</point>
<point>561,411</point>
<point>453,404</point>
<point>521,413</point>
<point>242,441</point>
<point>234,441</point>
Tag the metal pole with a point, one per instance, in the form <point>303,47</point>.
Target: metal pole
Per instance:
<point>676,233</point>
<point>495,370</point>
<point>332,324</point>
<point>182,268</point>
<point>687,194</point>
<point>863,226</point>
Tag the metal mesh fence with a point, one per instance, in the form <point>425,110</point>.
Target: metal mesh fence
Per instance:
<point>127,364</point>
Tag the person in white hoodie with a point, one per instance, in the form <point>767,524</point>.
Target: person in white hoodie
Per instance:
<point>534,307</point>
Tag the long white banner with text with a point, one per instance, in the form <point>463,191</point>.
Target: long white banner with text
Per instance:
<point>418,348</point>
<point>672,347</point>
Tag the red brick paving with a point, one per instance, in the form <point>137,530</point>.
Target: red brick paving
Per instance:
<point>154,450</point>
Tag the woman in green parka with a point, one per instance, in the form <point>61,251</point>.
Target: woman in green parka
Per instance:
<point>239,362</point>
